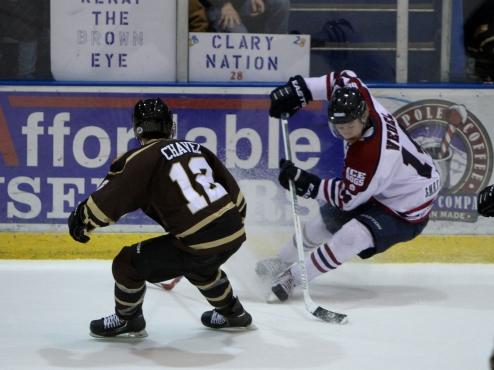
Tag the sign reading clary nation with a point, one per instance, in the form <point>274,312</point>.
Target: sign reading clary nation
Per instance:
<point>113,40</point>
<point>247,56</point>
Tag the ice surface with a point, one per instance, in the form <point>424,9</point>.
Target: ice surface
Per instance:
<point>401,316</point>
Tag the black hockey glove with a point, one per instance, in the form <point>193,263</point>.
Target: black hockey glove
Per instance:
<point>289,98</point>
<point>485,202</point>
<point>77,228</point>
<point>306,184</point>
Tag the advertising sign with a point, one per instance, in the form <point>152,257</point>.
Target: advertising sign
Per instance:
<point>124,40</point>
<point>247,57</point>
<point>56,145</point>
<point>462,151</point>
<point>55,149</point>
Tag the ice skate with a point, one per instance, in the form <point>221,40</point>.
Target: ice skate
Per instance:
<point>269,268</point>
<point>237,317</point>
<point>113,326</point>
<point>283,285</point>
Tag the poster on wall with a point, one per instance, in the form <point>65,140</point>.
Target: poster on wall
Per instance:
<point>133,40</point>
<point>247,57</point>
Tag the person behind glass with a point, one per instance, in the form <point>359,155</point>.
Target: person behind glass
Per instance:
<point>186,189</point>
<point>21,24</point>
<point>243,16</point>
<point>384,196</point>
<point>479,41</point>
<point>198,20</point>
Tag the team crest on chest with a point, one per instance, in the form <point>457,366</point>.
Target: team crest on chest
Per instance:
<point>460,148</point>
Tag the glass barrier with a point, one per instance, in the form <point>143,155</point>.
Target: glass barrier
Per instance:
<point>25,40</point>
<point>409,41</point>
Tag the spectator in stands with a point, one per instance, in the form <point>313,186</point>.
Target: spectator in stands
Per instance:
<point>198,20</point>
<point>21,24</point>
<point>479,41</point>
<point>254,16</point>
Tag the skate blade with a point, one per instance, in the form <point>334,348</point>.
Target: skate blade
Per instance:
<point>235,329</point>
<point>132,335</point>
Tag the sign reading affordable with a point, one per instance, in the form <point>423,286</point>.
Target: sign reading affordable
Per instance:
<point>56,148</point>
<point>118,40</point>
<point>247,57</point>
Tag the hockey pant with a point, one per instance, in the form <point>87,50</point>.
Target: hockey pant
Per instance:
<point>159,259</point>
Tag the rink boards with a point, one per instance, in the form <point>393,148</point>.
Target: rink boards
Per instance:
<point>57,142</point>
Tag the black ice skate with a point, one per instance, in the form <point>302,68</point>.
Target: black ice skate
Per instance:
<point>235,317</point>
<point>113,326</point>
<point>283,285</point>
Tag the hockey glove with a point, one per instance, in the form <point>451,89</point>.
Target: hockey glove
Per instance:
<point>289,98</point>
<point>306,184</point>
<point>485,202</point>
<point>77,228</point>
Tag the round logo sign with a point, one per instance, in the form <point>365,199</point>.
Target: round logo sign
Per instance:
<point>461,149</point>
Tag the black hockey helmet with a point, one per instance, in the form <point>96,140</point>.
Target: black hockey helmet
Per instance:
<point>347,104</point>
<point>153,119</point>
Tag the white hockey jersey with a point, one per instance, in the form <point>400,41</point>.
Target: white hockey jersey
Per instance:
<point>385,165</point>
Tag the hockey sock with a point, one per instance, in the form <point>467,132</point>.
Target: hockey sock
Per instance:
<point>217,291</point>
<point>128,301</point>
<point>346,243</point>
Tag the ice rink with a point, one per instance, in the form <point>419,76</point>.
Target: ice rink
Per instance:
<point>401,316</point>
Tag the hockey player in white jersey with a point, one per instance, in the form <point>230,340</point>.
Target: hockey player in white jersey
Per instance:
<point>385,193</point>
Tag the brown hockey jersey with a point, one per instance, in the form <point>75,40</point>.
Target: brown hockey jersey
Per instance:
<point>182,186</point>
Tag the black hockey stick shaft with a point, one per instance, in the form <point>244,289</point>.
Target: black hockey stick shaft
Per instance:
<point>311,306</point>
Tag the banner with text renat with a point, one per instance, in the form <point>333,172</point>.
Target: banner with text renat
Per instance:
<point>247,56</point>
<point>118,40</point>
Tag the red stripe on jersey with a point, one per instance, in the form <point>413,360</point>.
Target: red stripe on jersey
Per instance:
<point>338,197</point>
<point>329,88</point>
<point>403,215</point>
<point>425,205</point>
<point>325,187</point>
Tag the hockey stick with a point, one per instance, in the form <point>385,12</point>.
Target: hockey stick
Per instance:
<point>310,305</point>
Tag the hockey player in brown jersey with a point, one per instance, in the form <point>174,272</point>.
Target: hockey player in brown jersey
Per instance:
<point>186,189</point>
